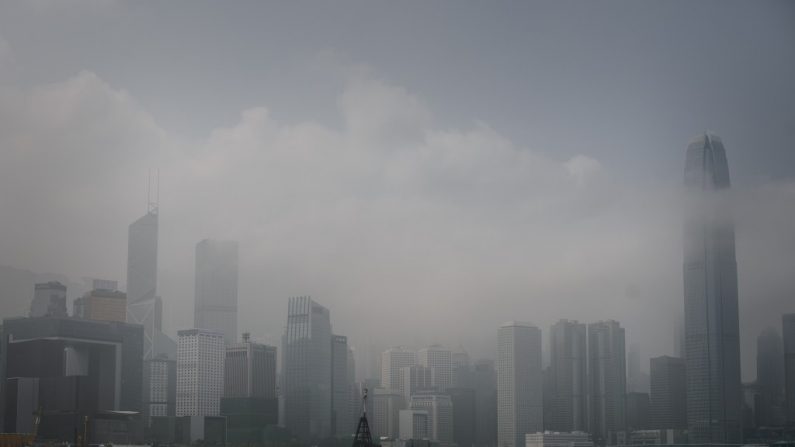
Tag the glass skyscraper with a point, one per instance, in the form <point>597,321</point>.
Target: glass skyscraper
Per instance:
<point>712,330</point>
<point>216,288</point>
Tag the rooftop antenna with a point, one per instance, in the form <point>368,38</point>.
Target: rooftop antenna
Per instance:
<point>363,437</point>
<point>152,205</point>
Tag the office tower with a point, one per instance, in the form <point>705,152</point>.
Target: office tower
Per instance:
<point>607,381</point>
<point>464,416</point>
<point>568,377</point>
<point>341,423</point>
<point>461,369</point>
<point>386,404</point>
<point>250,370</point>
<point>484,378</point>
<point>712,329</point>
<point>637,379</point>
<point>102,304</point>
<point>769,407</point>
<point>306,369</point>
<point>354,399</point>
<point>144,307</point>
<point>159,387</point>
<point>200,372</point>
<point>391,361</point>
<point>440,415</point>
<point>414,379</point>
<point>49,300</point>
<point>519,383</point>
<point>413,425</point>
<point>216,288</point>
<point>440,361</point>
<point>788,333</point>
<point>71,368</point>
<point>637,411</point>
<point>249,401</point>
<point>668,397</point>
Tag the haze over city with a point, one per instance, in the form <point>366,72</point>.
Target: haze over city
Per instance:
<point>426,171</point>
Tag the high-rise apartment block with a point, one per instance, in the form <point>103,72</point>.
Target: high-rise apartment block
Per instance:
<point>568,377</point>
<point>216,287</point>
<point>667,400</point>
<point>200,372</point>
<point>607,379</point>
<point>712,328</point>
<point>519,383</point>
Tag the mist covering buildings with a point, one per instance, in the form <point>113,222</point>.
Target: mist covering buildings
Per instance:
<point>494,163</point>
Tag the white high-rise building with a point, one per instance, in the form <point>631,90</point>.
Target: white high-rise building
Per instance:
<point>159,384</point>
<point>440,360</point>
<point>413,425</point>
<point>391,361</point>
<point>440,415</point>
<point>200,372</point>
<point>519,383</point>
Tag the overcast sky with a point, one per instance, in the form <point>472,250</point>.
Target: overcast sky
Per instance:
<point>426,170</point>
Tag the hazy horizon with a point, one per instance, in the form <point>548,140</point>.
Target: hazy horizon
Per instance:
<point>446,166</point>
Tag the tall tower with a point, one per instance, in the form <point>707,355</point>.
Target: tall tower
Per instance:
<point>769,408</point>
<point>569,368</point>
<point>712,328</point>
<point>215,304</point>
<point>144,307</point>
<point>788,336</point>
<point>306,369</point>
<point>519,383</point>
<point>607,375</point>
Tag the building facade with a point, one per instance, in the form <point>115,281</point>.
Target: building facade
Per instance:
<point>769,405</point>
<point>519,383</point>
<point>392,360</point>
<point>440,362</point>
<point>250,370</point>
<point>102,305</point>
<point>668,397</point>
<point>440,415</point>
<point>342,424</point>
<point>788,338</point>
<point>607,379</point>
<point>712,328</point>
<point>568,377</point>
<point>306,369</point>
<point>160,388</point>
<point>215,303</point>
<point>49,300</point>
<point>200,372</point>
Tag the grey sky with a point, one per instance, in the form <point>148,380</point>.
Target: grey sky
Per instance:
<point>470,162</point>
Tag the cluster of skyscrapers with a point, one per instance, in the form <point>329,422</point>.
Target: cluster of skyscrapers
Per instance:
<point>111,362</point>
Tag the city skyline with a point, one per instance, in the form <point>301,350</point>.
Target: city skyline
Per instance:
<point>373,170</point>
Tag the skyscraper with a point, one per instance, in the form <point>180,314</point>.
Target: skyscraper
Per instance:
<point>519,383</point>
<point>667,400</point>
<point>440,415</point>
<point>306,369</point>
<point>216,288</point>
<point>440,361</point>
<point>250,370</point>
<point>485,382</point>
<point>607,376</point>
<point>143,305</point>
<point>568,376</point>
<point>712,329</point>
<point>769,406</point>
<point>788,333</point>
<point>342,423</point>
<point>391,361</point>
<point>160,387</point>
<point>200,372</point>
